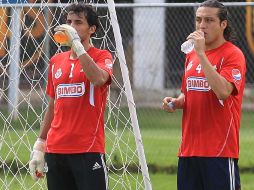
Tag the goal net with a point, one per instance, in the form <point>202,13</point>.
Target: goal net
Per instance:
<point>26,46</point>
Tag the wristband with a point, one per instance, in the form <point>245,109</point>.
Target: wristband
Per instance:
<point>78,48</point>
<point>40,145</point>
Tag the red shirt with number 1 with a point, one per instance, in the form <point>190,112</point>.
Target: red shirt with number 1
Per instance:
<point>78,124</point>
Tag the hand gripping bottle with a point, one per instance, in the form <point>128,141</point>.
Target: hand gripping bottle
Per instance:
<point>60,37</point>
<point>187,46</point>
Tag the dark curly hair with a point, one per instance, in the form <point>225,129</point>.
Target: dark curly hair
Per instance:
<point>88,10</point>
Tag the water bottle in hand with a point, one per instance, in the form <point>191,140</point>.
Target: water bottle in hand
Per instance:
<point>171,105</point>
<point>60,37</point>
<point>187,46</point>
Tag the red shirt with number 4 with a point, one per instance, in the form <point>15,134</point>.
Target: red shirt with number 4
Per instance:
<point>210,127</point>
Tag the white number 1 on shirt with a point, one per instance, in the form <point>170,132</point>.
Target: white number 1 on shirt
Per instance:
<point>71,72</point>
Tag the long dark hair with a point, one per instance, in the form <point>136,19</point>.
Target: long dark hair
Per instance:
<point>223,14</point>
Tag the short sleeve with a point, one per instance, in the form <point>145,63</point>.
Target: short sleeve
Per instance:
<point>183,86</point>
<point>105,62</point>
<point>233,69</point>
<point>50,87</point>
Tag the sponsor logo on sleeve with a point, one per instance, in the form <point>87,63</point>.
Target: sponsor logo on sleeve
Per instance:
<point>197,84</point>
<point>108,63</point>
<point>58,73</point>
<point>70,90</point>
<point>236,75</point>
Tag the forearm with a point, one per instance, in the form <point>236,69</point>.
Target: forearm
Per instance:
<point>180,101</point>
<point>46,123</point>
<point>94,74</point>
<point>37,162</point>
<point>220,86</point>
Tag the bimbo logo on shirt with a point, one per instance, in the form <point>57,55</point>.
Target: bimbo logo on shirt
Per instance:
<point>197,84</point>
<point>70,90</point>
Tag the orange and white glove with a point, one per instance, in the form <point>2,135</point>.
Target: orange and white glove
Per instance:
<point>73,38</point>
<point>37,161</point>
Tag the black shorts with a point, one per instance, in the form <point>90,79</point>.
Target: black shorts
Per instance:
<point>85,171</point>
<point>201,173</point>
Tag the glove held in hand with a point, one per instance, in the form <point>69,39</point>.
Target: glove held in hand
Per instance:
<point>37,162</point>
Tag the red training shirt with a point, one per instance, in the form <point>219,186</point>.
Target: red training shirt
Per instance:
<point>78,124</point>
<point>210,127</point>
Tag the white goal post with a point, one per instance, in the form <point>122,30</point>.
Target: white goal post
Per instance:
<point>26,47</point>
<point>129,95</point>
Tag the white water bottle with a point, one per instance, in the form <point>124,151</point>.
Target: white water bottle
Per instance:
<point>171,105</point>
<point>187,46</point>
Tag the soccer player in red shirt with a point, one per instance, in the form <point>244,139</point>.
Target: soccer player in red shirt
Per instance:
<point>72,132</point>
<point>211,98</point>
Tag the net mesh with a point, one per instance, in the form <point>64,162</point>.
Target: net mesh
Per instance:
<point>26,46</point>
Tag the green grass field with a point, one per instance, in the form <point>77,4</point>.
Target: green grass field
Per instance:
<point>160,134</point>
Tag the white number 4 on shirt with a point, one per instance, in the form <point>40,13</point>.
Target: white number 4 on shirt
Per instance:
<point>198,69</point>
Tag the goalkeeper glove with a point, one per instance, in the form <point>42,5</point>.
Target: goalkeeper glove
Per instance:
<point>37,162</point>
<point>73,39</point>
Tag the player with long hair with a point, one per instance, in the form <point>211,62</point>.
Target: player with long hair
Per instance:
<point>211,98</point>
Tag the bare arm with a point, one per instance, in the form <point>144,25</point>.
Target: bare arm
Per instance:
<point>96,75</point>
<point>49,115</point>
<point>220,86</point>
